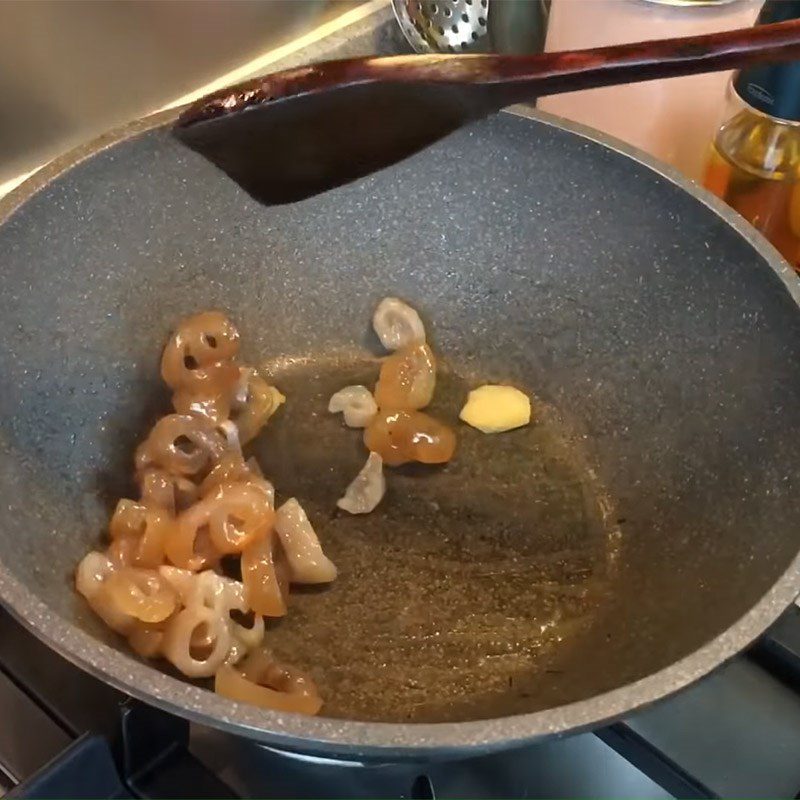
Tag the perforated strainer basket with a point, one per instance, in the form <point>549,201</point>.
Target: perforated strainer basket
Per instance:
<point>457,26</point>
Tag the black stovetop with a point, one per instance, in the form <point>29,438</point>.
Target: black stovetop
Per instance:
<point>735,734</point>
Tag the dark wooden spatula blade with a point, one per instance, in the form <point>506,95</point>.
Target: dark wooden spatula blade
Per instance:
<point>291,148</point>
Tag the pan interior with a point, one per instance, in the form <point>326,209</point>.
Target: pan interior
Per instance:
<point>464,592</point>
<point>662,352</point>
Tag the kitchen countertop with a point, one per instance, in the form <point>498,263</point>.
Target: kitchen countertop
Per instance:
<point>364,29</point>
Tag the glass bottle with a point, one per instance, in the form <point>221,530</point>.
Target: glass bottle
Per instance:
<point>754,163</point>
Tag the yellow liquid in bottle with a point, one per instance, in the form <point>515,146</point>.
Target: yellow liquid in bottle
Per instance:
<point>754,166</point>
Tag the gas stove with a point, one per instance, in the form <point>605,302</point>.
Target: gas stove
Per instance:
<point>67,734</point>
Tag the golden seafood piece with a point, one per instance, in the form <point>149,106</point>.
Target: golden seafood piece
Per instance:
<point>229,683</point>
<point>213,399</point>
<point>265,576</point>
<point>177,642</point>
<point>234,515</point>
<point>402,436</point>
<point>143,594</point>
<point>140,533</point>
<point>262,402</point>
<point>173,493</point>
<point>199,342</point>
<point>407,378</point>
<point>181,444</point>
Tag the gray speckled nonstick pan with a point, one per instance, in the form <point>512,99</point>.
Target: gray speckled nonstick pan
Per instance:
<point>642,530</point>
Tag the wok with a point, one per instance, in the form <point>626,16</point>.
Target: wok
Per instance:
<point>642,531</point>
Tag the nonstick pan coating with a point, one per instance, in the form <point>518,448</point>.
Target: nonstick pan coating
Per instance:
<point>644,529</point>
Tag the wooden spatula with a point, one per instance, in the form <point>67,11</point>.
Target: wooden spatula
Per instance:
<point>287,136</point>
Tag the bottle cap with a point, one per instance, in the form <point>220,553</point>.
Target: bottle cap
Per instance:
<point>773,89</point>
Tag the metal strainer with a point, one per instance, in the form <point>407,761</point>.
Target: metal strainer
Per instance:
<point>477,26</point>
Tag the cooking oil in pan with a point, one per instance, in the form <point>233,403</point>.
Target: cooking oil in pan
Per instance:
<point>462,593</point>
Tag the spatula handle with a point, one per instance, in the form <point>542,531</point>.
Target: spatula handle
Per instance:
<point>505,79</point>
<point>553,73</point>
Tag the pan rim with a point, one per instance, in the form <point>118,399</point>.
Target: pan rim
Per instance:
<point>395,741</point>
